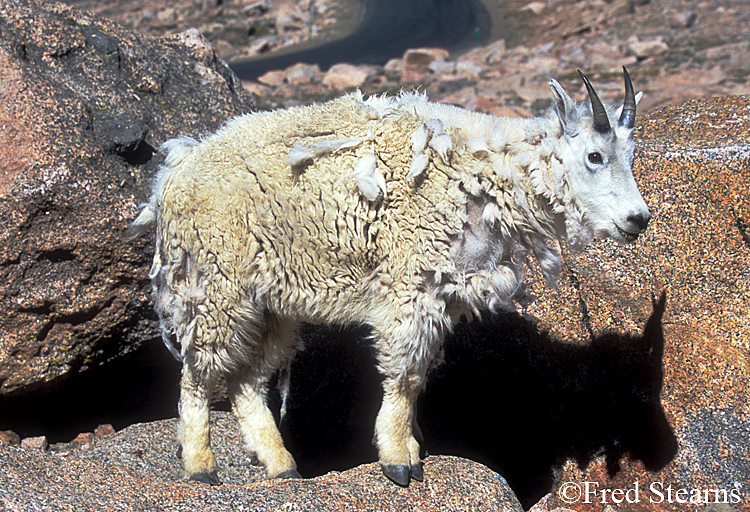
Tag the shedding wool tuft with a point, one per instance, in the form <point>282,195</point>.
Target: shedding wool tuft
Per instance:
<point>369,180</point>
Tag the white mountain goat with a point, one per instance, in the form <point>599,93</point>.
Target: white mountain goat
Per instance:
<point>393,212</point>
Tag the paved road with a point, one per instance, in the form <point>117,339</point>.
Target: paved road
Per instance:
<point>387,29</point>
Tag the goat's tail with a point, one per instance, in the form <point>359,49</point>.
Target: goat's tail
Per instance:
<point>143,223</point>
<point>177,150</point>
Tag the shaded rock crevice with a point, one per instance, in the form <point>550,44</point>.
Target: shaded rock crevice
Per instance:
<point>583,308</point>
<point>74,319</point>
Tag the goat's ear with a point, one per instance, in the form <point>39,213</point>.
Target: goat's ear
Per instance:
<point>564,106</point>
<point>638,98</point>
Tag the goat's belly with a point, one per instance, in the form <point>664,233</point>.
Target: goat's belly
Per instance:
<point>312,271</point>
<point>310,290</point>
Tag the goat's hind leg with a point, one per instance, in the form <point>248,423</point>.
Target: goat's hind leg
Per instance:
<point>197,457</point>
<point>248,389</point>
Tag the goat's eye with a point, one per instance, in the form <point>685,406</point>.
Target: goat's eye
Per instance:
<point>595,157</point>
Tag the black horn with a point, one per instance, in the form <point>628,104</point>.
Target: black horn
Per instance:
<point>601,120</point>
<point>627,118</point>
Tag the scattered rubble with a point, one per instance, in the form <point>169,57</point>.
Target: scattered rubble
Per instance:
<point>237,29</point>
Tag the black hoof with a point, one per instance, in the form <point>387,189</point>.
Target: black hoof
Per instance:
<point>210,478</point>
<point>291,473</point>
<point>416,472</point>
<point>397,473</point>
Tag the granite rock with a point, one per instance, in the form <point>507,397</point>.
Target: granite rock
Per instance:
<point>692,167</point>
<point>302,73</point>
<point>84,106</point>
<point>10,437</point>
<point>38,443</point>
<point>646,49</point>
<point>346,76</point>
<point>416,62</point>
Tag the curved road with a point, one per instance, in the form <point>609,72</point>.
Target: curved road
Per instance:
<point>386,30</point>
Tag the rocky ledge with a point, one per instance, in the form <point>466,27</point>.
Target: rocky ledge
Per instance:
<point>138,469</point>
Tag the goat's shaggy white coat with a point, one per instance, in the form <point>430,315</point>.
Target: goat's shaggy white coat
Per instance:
<point>394,212</point>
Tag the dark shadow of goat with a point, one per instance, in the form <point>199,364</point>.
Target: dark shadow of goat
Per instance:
<point>508,396</point>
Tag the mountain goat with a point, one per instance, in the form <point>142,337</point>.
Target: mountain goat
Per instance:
<point>389,211</point>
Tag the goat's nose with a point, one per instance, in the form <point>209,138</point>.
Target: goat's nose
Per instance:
<point>640,219</point>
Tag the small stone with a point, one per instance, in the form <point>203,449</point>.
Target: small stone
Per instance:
<point>417,62</point>
<point>83,441</point>
<point>646,49</point>
<point>442,67</point>
<point>685,19</point>
<point>495,52</point>
<point>272,78</point>
<point>301,73</point>
<point>104,430</point>
<point>343,76</point>
<point>35,443</point>
<point>534,7</point>
<point>394,66</point>
<point>10,437</point>
<point>423,57</point>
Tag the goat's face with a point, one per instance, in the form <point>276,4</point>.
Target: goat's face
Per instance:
<point>598,158</point>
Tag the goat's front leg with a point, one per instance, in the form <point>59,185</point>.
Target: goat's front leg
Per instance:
<point>407,344</point>
<point>395,430</point>
<point>195,395</point>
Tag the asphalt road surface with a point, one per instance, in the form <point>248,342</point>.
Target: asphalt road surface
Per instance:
<point>388,28</point>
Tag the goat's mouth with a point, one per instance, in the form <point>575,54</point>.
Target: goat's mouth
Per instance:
<point>629,237</point>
